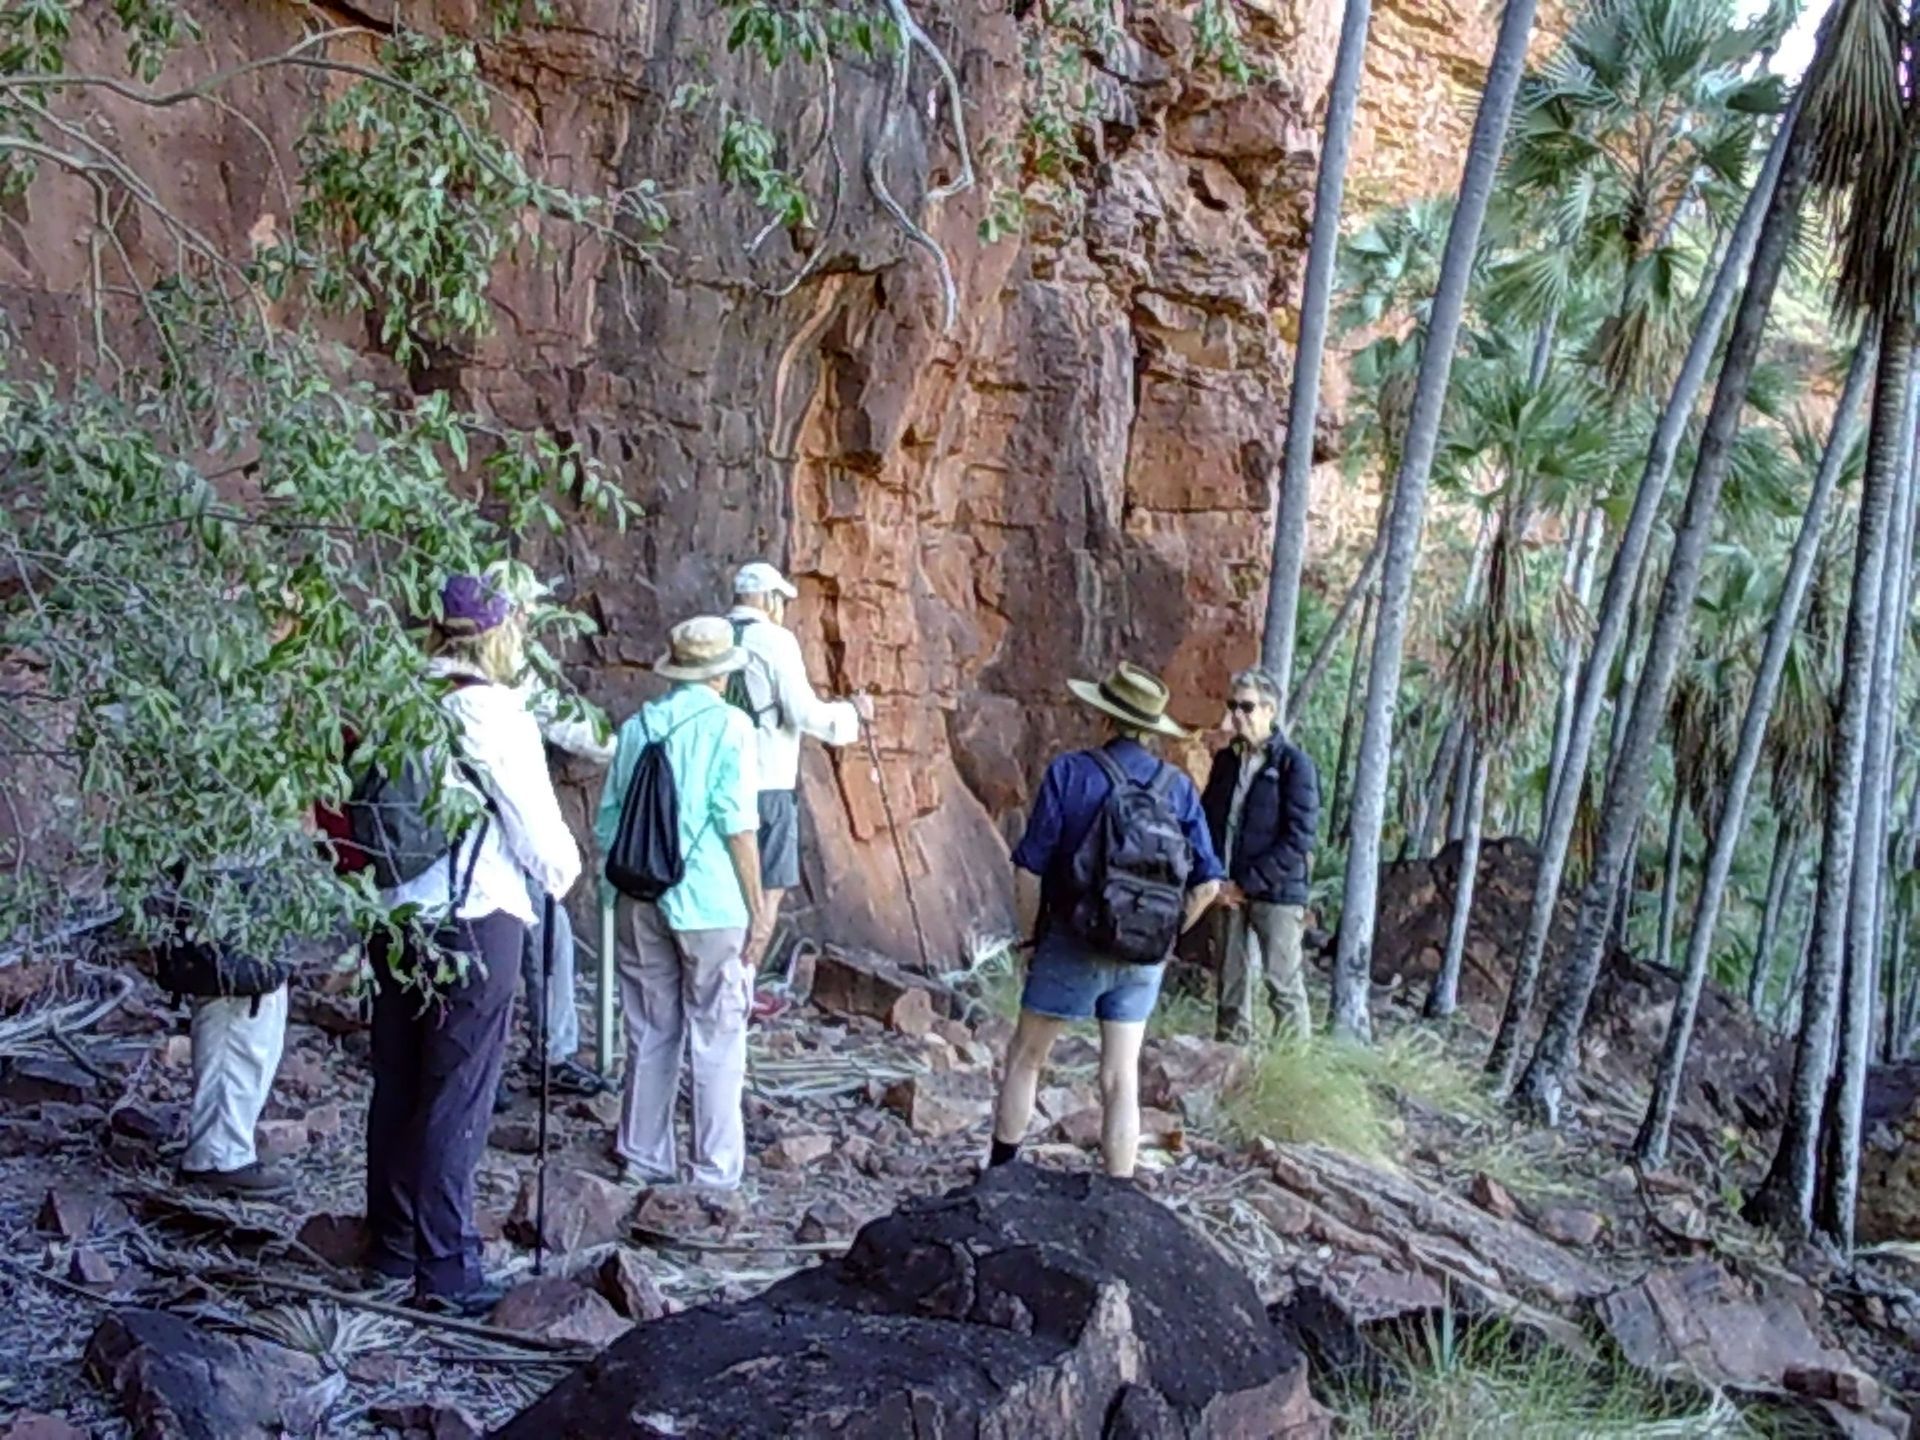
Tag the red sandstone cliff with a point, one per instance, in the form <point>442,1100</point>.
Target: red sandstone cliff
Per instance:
<point>1080,470</point>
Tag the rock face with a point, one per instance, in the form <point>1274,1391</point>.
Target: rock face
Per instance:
<point>1081,469</point>
<point>1032,1303</point>
<point>1738,1070</point>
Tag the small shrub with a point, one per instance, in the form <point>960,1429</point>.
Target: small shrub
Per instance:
<point>1490,1382</point>
<point>1312,1091</point>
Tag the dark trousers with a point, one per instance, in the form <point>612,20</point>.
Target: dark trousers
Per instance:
<point>435,1066</point>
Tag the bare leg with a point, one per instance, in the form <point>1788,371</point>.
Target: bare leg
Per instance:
<point>1120,1094</point>
<point>1027,1055</point>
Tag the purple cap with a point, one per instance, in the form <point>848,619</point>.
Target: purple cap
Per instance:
<point>472,606</point>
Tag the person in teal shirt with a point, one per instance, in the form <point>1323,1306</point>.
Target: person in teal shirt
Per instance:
<point>687,982</point>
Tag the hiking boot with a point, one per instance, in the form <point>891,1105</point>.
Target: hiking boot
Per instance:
<point>474,1304</point>
<point>570,1077</point>
<point>249,1182</point>
<point>634,1178</point>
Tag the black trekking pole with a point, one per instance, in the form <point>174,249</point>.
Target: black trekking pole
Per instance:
<point>540,1153</point>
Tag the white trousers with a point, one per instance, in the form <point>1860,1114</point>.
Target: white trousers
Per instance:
<point>235,1055</point>
<point>685,990</point>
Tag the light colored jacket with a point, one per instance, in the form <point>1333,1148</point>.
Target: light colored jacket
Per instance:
<point>709,746</point>
<point>586,735</point>
<point>788,707</point>
<point>500,740</point>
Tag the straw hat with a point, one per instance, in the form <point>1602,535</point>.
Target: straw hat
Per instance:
<point>1132,696</point>
<point>700,649</point>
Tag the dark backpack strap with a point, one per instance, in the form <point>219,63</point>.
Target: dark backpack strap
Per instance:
<point>1116,777</point>
<point>457,895</point>
<point>1164,779</point>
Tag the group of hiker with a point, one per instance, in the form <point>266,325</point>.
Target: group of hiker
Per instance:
<point>697,827</point>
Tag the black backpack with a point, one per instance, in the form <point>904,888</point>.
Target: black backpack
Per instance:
<point>737,694</point>
<point>389,820</point>
<point>186,966</point>
<point>1130,872</point>
<point>644,861</point>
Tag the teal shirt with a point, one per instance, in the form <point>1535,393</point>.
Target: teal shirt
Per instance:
<point>710,749</point>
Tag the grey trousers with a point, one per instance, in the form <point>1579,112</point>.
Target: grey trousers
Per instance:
<point>684,991</point>
<point>1262,953</point>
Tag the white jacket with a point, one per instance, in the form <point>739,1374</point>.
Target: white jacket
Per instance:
<point>500,739</point>
<point>792,709</point>
<point>580,735</point>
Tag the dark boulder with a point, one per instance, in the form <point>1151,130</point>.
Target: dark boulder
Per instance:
<point>175,1381</point>
<point>1031,1303</point>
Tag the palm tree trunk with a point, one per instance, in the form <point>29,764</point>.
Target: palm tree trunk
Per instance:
<point>1460,806</point>
<point>1353,957</point>
<point>1893,946</point>
<point>1670,882</point>
<point>1910,1018</point>
<point>1623,579</point>
<point>1836,1200</point>
<point>1433,803</point>
<point>1581,554</point>
<point>1540,1085</point>
<point>1785,1197</point>
<point>1651,1146</point>
<point>1361,589</point>
<point>1346,723</point>
<point>1290,510</point>
<point>1788,1018</point>
<point>1786,854</point>
<point>1443,998</point>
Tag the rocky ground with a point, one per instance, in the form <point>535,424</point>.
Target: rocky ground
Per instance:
<point>119,1296</point>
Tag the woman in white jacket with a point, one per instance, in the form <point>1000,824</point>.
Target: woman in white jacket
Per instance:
<point>437,1049</point>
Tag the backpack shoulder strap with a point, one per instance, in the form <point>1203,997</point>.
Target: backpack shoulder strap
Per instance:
<point>1163,783</point>
<point>1110,767</point>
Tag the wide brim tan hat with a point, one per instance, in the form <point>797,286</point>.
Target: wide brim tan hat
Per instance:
<point>1132,696</point>
<point>700,649</point>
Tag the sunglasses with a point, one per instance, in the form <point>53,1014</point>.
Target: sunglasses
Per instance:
<point>1245,707</point>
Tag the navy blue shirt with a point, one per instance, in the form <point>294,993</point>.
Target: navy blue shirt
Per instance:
<point>1070,800</point>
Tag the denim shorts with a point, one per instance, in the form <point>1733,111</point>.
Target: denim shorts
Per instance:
<point>1067,982</point>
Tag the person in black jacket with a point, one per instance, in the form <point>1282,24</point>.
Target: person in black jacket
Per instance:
<point>1262,803</point>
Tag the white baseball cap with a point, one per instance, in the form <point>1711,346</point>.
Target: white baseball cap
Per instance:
<point>760,578</point>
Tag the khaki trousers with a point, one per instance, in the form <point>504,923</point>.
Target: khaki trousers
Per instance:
<point>684,990</point>
<point>1263,943</point>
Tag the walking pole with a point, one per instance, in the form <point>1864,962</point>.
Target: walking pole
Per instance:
<point>540,1160</point>
<point>899,849</point>
<point>603,1039</point>
<point>886,808</point>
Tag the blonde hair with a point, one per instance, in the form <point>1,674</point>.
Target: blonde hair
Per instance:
<point>500,654</point>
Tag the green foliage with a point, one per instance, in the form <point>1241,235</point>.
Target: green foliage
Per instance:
<point>411,200</point>
<point>1489,1380</point>
<point>1330,1092</point>
<point>1217,42</point>
<point>808,31</point>
<point>219,544</point>
<point>748,158</point>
